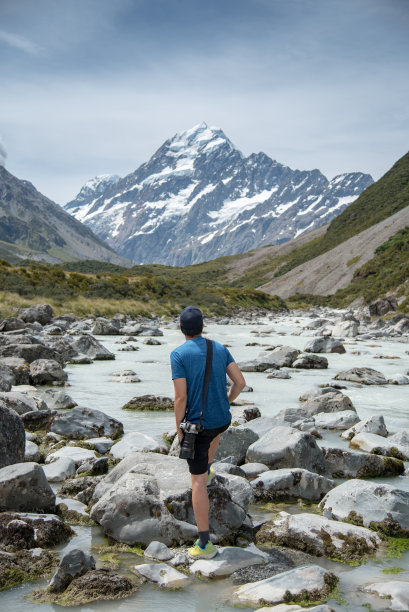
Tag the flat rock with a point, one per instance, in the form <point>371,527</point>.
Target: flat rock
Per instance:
<point>24,488</point>
<point>336,420</point>
<point>373,424</point>
<point>365,503</point>
<point>260,364</point>
<point>12,437</point>
<point>352,464</point>
<point>252,470</point>
<point>396,591</point>
<point>135,441</point>
<point>379,445</point>
<point>59,470</point>
<point>163,575</point>
<point>76,453</point>
<point>311,581</point>
<point>319,536</point>
<point>363,376</point>
<point>81,422</point>
<point>227,561</point>
<point>101,445</point>
<point>291,483</point>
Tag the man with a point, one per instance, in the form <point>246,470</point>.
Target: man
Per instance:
<point>188,363</point>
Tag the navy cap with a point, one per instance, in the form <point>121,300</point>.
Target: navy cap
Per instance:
<point>191,318</point>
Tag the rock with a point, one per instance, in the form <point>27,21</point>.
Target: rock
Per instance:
<point>7,379</point>
<point>11,324</point>
<point>81,422</point>
<point>24,566</point>
<point>285,484</point>
<point>152,342</point>
<point>30,352</point>
<point>336,420</point>
<point>318,391</point>
<point>148,497</point>
<point>373,424</point>
<point>401,437</point>
<point>149,402</point>
<point>258,365</point>
<point>310,361</point>
<point>163,575</point>
<point>402,327</point>
<point>179,559</point>
<point>328,402</point>
<point>263,424</point>
<point>38,419</point>
<point>101,445</point>
<point>59,400</point>
<point>243,414</point>
<point>396,591</point>
<point>135,441</point>
<point>12,437</point>
<point>76,453</point>
<point>20,371</point>
<point>94,466</point>
<point>398,379</point>
<point>81,488</point>
<point>285,355</point>
<point>324,344</point>
<point>158,551</point>
<point>32,452</point>
<point>252,470</point>
<point>309,582</point>
<point>41,313</point>
<point>73,564</point>
<point>24,488</point>
<point>227,561</point>
<point>364,376</point>
<point>222,467</point>
<point>105,327</point>
<point>19,402</point>
<point>45,371</point>
<point>88,345</point>
<point>345,329</point>
<point>235,441</point>
<point>369,504</point>
<point>24,531</point>
<point>239,488</point>
<point>285,447</point>
<point>126,376</point>
<point>279,374</point>
<point>59,470</point>
<point>382,306</point>
<point>378,445</point>
<point>319,536</point>
<point>295,608</point>
<point>351,464</point>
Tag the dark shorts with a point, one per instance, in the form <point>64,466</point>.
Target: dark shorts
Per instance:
<point>198,465</point>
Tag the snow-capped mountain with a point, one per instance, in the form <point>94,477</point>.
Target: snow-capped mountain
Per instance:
<point>199,198</point>
<point>89,193</point>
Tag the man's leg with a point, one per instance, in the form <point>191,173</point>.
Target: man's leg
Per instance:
<point>200,501</point>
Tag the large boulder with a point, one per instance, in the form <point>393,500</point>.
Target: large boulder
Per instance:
<point>336,420</point>
<point>345,329</point>
<point>372,443</point>
<point>11,324</point>
<point>324,344</point>
<point>105,327</point>
<point>344,463</point>
<point>88,345</point>
<point>30,352</point>
<point>235,442</point>
<point>328,402</point>
<point>319,536</point>
<point>19,402</point>
<point>310,361</point>
<point>370,504</point>
<point>285,447</point>
<point>76,453</point>
<point>291,483</point>
<point>40,313</point>
<point>24,488</point>
<point>19,369</point>
<point>74,563</point>
<point>363,376</point>
<point>81,422</point>
<point>148,497</point>
<point>382,306</point>
<point>285,355</point>
<point>47,371</point>
<point>12,437</point>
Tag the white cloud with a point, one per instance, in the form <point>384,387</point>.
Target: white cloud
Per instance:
<point>20,42</point>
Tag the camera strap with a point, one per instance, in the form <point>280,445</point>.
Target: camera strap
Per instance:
<point>208,372</point>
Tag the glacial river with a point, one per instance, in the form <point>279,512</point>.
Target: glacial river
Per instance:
<point>93,386</point>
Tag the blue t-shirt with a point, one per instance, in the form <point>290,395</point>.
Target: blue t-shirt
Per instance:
<point>189,361</point>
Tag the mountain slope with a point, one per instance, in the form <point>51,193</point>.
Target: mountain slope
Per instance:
<point>199,198</point>
<point>34,227</point>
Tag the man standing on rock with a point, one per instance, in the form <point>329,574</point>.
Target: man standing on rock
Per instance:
<point>188,363</point>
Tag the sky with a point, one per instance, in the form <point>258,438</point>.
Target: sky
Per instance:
<point>92,87</point>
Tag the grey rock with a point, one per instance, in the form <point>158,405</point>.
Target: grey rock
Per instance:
<point>101,445</point>
<point>152,342</point>
<point>24,488</point>
<point>239,488</point>
<point>263,424</point>
<point>235,441</point>
<point>398,379</point>
<point>89,346</point>
<point>105,327</point>
<point>395,591</point>
<point>158,551</point>
<point>258,365</point>
<point>369,502</point>
<point>373,424</point>
<point>324,345</point>
<point>285,447</point>
<point>38,419</point>
<point>11,324</point>
<point>32,452</point>
<point>364,376</point>
<point>227,561</point>
<point>40,313</point>
<point>310,361</point>
<point>336,420</point>
<point>287,483</point>
<point>94,466</point>
<point>318,391</point>
<point>45,371</point>
<point>29,530</point>
<point>76,453</point>
<point>30,352</point>
<point>12,437</point>
<point>73,564</point>
<point>222,467</point>
<point>59,400</point>
<point>7,379</point>
<point>178,559</point>
<point>163,575</point>
<point>279,374</point>
<point>20,370</point>
<point>59,470</point>
<point>19,402</point>
<point>344,463</point>
<point>379,445</point>
<point>135,441</point>
<point>382,306</point>
<point>81,422</point>
<point>345,329</point>
<point>285,355</point>
<point>252,470</point>
<point>328,402</point>
<point>244,414</point>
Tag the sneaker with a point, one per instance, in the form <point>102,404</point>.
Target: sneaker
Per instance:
<point>211,475</point>
<point>197,552</point>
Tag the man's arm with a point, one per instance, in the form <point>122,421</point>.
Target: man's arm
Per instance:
<point>180,403</point>
<point>237,378</point>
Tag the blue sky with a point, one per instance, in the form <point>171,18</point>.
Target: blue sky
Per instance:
<point>95,86</point>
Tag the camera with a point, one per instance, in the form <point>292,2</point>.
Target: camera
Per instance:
<point>187,446</point>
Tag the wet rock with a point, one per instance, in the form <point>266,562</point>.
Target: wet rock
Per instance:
<point>38,419</point>
<point>81,488</point>
<point>158,551</point>
<point>24,531</point>
<point>40,313</point>
<point>275,562</point>
<point>351,464</point>
<point>285,447</point>
<point>46,371</point>
<point>59,470</point>
<point>397,591</point>
<point>235,441</point>
<point>369,504</point>
<point>81,422</point>
<point>324,344</point>
<point>76,453</point>
<point>282,484</point>
<point>320,536</point>
<point>310,361</point>
<point>126,376</point>
<point>152,342</point>
<point>25,565</point>
<point>148,497</point>
<point>345,329</point>
<point>363,376</point>
<point>135,441</point>
<point>105,327</point>
<point>12,437</point>
<point>336,420</point>
<point>308,582</point>
<point>24,488</point>
<point>89,346</point>
<point>373,424</point>
<point>163,575</point>
<point>75,563</point>
<point>149,402</point>
<point>227,561</point>
<point>379,445</point>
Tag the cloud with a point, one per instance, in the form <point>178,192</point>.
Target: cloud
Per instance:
<point>3,154</point>
<point>20,42</point>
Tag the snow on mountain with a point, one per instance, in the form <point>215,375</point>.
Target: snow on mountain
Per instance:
<point>198,198</point>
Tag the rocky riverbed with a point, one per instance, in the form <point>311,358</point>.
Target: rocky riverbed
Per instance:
<point>310,502</point>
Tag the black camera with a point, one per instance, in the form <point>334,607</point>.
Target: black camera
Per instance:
<point>187,446</point>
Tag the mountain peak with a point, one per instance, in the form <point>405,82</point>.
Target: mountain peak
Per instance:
<point>201,138</point>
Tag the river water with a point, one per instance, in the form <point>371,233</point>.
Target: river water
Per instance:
<point>93,386</point>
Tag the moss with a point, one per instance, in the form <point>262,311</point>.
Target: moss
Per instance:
<point>354,519</point>
<point>393,570</point>
<point>110,560</point>
<point>316,597</point>
<point>72,517</point>
<point>116,547</point>
<point>24,567</point>
<point>395,547</point>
